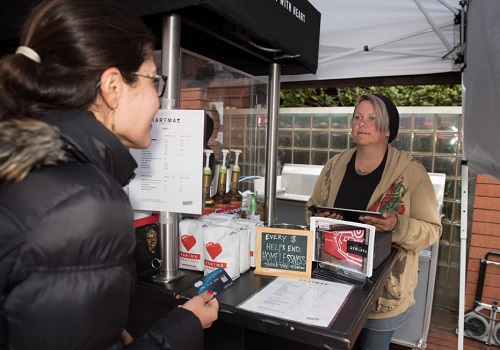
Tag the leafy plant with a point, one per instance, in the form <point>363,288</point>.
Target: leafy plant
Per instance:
<point>416,95</point>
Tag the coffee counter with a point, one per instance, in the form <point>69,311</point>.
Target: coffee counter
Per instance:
<point>240,329</point>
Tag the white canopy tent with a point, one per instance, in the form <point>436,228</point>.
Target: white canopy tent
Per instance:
<point>366,38</point>
<point>387,38</point>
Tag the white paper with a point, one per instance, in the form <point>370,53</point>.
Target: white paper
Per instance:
<point>312,301</point>
<point>169,176</point>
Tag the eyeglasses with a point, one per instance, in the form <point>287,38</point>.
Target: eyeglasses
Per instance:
<point>160,81</point>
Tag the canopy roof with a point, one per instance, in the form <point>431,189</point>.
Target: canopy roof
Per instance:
<point>366,38</point>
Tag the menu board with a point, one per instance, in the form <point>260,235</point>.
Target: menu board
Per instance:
<point>169,175</point>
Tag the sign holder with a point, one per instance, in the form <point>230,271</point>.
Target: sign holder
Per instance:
<point>343,249</point>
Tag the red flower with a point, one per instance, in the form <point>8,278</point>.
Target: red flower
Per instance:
<point>392,201</point>
<point>401,209</point>
<point>385,201</point>
<point>373,207</point>
<point>391,191</point>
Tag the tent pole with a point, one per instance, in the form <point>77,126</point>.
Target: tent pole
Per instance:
<point>462,28</point>
<point>435,27</point>
<point>450,7</point>
<point>169,221</point>
<point>272,140</point>
<point>463,233</point>
<point>463,255</point>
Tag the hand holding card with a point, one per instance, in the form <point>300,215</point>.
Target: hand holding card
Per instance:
<point>217,281</point>
<point>204,306</point>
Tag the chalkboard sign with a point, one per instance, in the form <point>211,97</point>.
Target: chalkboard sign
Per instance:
<point>283,252</point>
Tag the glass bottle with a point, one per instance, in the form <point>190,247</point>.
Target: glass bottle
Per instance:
<point>221,200</point>
<point>208,202</point>
<point>234,193</point>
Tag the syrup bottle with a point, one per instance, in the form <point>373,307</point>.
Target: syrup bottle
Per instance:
<point>221,200</point>
<point>233,193</point>
<point>208,202</point>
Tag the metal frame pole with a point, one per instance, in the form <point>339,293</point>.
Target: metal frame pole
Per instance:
<point>272,140</point>
<point>169,222</point>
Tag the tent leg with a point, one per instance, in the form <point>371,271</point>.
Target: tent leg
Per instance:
<point>272,141</point>
<point>463,254</point>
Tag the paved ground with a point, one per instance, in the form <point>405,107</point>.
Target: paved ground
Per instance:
<point>442,335</point>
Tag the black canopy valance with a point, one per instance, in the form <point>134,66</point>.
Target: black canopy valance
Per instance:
<point>245,34</point>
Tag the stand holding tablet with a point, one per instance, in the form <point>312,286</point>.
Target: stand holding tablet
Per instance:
<point>343,250</point>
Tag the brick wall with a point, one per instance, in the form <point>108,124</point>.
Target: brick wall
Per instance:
<point>485,238</point>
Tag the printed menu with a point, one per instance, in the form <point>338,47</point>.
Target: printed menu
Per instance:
<point>169,173</point>
<point>310,301</point>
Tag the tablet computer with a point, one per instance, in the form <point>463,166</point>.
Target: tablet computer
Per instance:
<point>347,214</point>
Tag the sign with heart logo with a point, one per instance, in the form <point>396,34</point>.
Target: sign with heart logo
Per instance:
<point>214,249</point>
<point>188,241</point>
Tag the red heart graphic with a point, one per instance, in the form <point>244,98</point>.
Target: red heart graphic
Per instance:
<point>188,241</point>
<point>214,249</point>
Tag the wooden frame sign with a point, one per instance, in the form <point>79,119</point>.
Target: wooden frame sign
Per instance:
<point>283,252</point>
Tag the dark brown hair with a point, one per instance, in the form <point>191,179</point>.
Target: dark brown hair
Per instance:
<point>77,40</point>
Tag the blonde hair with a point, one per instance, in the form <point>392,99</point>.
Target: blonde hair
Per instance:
<point>382,122</point>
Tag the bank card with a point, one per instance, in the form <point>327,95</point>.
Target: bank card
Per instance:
<point>216,281</point>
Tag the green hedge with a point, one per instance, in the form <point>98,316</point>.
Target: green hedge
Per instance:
<point>419,95</point>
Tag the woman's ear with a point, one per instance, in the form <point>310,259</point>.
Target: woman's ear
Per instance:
<point>111,87</point>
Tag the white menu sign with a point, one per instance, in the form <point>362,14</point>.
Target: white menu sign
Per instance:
<point>169,175</point>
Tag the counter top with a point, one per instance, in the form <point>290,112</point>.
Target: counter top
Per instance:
<point>340,335</point>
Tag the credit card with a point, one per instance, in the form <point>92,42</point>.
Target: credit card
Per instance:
<point>216,281</point>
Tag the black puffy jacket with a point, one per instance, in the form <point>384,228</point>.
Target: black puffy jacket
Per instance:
<point>67,241</point>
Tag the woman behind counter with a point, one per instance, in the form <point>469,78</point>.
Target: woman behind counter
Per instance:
<point>377,177</point>
<point>73,98</point>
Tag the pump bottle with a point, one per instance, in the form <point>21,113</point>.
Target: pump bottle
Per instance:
<point>234,193</point>
<point>221,200</point>
<point>208,202</point>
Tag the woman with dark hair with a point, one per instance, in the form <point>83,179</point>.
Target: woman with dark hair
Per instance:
<point>78,92</point>
<point>375,176</point>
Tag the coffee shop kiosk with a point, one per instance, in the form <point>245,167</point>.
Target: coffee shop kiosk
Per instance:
<point>226,58</point>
